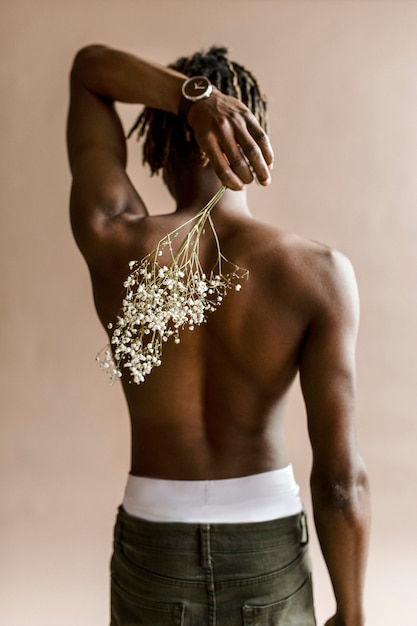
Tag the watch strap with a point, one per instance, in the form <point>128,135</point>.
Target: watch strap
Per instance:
<point>185,105</point>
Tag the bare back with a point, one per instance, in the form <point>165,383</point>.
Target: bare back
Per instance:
<point>214,408</point>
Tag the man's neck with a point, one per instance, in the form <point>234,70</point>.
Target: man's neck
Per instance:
<point>193,189</point>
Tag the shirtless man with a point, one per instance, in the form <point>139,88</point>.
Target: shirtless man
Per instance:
<point>212,530</point>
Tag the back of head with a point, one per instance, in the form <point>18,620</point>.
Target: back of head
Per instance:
<point>166,135</point>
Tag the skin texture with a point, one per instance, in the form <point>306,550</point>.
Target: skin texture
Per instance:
<point>215,407</point>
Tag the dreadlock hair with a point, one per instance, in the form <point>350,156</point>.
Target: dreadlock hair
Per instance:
<point>166,135</point>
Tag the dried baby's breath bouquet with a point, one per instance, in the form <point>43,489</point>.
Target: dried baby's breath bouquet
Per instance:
<point>161,300</point>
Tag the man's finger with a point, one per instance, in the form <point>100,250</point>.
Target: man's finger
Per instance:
<point>258,151</point>
<point>239,163</point>
<point>223,168</point>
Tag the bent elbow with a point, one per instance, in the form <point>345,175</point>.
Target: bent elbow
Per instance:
<point>343,492</point>
<point>84,57</point>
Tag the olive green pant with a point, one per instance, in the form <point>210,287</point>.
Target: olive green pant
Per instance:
<point>176,574</point>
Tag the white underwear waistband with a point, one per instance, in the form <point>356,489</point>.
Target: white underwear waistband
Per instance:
<point>255,498</point>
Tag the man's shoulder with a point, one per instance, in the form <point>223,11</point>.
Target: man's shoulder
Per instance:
<point>326,274</point>
<point>310,267</point>
<point>325,270</point>
<point>278,244</point>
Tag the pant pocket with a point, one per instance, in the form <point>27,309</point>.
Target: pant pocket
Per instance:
<point>127,610</point>
<point>295,610</point>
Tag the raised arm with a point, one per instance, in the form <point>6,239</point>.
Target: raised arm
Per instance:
<point>222,125</point>
<point>339,484</point>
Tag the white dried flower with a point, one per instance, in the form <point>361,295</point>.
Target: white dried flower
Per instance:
<point>161,301</point>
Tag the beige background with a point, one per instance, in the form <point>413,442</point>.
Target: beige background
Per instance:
<point>342,79</point>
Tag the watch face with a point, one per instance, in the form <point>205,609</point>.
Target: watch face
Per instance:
<point>196,88</point>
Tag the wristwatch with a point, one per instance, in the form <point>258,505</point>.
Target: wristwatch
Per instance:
<point>193,89</point>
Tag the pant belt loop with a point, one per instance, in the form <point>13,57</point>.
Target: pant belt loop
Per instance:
<point>205,545</point>
<point>304,528</point>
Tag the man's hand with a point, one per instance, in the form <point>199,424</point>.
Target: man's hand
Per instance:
<point>234,142</point>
